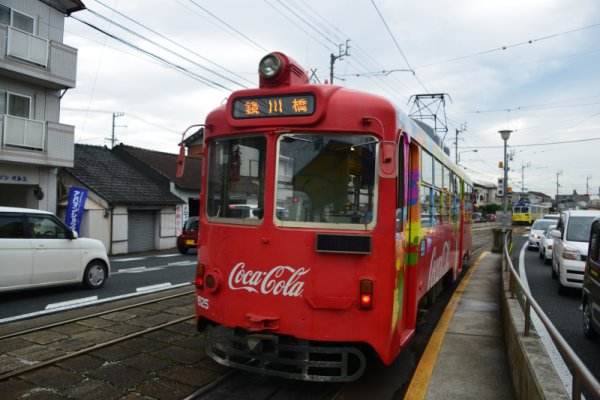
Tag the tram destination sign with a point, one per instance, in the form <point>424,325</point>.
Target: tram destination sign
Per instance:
<point>295,105</point>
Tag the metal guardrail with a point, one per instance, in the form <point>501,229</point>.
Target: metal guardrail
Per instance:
<point>580,372</point>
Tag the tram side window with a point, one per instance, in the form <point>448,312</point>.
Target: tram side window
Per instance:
<point>438,176</point>
<point>438,207</point>
<point>468,199</point>
<point>401,182</point>
<point>455,208</point>
<point>426,206</point>
<point>236,173</point>
<point>426,168</point>
<point>446,184</point>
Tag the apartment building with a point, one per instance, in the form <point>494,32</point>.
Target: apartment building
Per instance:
<point>36,69</point>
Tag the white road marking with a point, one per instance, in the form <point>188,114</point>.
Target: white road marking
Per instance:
<point>106,300</point>
<point>182,263</point>
<point>139,270</point>
<point>167,255</point>
<point>559,365</point>
<point>76,302</point>
<point>127,259</point>
<point>158,286</point>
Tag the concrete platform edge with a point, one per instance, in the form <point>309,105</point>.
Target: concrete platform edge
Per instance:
<point>532,372</point>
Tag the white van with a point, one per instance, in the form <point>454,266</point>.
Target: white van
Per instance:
<point>37,249</point>
<point>570,247</point>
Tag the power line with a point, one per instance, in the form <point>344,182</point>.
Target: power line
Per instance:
<point>509,46</point>
<point>180,46</point>
<point>168,50</point>
<point>398,45</point>
<point>167,63</point>
<point>535,144</point>
<point>229,26</point>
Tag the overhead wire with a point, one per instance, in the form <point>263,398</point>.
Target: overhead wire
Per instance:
<point>229,26</point>
<point>398,46</point>
<point>502,48</point>
<point>162,60</point>
<point>180,46</point>
<point>140,36</point>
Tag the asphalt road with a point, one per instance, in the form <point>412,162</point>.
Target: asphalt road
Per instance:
<point>131,275</point>
<point>563,310</point>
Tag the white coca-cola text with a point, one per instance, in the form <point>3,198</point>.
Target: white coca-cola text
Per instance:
<point>439,265</point>
<point>281,280</point>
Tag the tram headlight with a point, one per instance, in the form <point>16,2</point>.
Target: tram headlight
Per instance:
<point>269,66</point>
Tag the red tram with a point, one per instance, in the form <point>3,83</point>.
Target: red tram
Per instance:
<point>327,216</point>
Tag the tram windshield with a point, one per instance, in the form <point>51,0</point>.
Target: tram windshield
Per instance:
<point>236,179</point>
<point>325,179</point>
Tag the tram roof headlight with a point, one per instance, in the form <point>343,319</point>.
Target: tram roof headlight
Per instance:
<point>269,66</point>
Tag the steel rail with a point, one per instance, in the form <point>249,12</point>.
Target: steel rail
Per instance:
<point>55,360</point>
<point>580,372</point>
<point>68,321</point>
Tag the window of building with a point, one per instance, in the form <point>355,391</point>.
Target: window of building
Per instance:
<point>4,15</point>
<point>14,104</point>
<point>18,106</point>
<point>17,19</point>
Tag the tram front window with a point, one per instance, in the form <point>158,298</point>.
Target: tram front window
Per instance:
<point>236,180</point>
<point>326,179</point>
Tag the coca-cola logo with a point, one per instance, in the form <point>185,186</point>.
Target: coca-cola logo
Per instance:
<point>281,280</point>
<point>439,265</point>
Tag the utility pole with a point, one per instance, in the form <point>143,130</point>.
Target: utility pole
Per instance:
<point>558,173</point>
<point>112,137</point>
<point>523,166</point>
<point>463,128</point>
<point>339,56</point>
<point>587,185</point>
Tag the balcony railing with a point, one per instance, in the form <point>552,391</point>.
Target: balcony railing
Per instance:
<point>24,133</point>
<point>27,47</point>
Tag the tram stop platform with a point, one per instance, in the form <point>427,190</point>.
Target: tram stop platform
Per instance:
<point>465,357</point>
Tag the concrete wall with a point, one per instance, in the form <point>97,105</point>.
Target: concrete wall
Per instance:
<point>532,372</point>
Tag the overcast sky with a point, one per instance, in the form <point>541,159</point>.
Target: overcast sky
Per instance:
<point>529,66</point>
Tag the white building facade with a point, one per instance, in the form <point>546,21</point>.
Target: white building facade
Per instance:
<point>36,68</point>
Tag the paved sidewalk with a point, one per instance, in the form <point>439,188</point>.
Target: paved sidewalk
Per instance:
<point>465,358</point>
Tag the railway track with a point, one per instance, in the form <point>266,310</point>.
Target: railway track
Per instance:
<point>149,348</point>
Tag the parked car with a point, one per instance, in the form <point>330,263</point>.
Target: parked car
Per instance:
<point>490,217</point>
<point>546,244</point>
<point>569,250</point>
<point>37,249</point>
<point>538,227</point>
<point>188,238</point>
<point>591,285</point>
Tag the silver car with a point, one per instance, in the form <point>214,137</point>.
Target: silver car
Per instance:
<point>546,241</point>
<point>538,227</point>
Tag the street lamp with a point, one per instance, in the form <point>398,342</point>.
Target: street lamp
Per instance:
<point>467,151</point>
<point>505,135</point>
